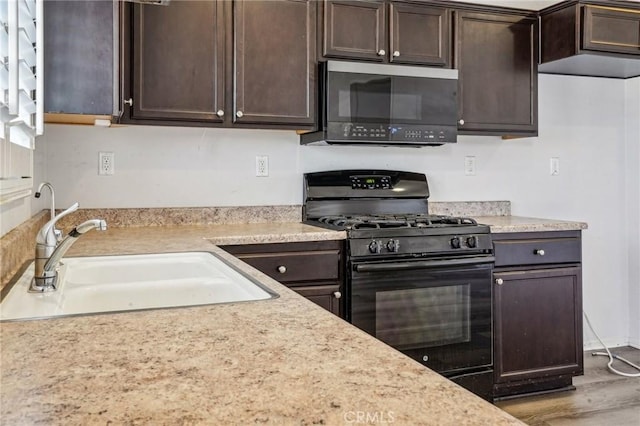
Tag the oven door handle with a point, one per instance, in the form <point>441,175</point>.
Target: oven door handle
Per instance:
<point>421,264</point>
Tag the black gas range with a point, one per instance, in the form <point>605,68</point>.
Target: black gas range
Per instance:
<point>419,282</point>
<point>385,215</point>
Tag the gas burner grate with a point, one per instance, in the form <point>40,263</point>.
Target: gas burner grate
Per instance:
<point>395,221</point>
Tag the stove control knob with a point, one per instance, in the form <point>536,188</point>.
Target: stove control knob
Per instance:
<point>393,245</point>
<point>455,243</point>
<point>472,241</point>
<point>374,246</point>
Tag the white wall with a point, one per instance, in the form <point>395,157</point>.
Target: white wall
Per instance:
<point>632,109</point>
<point>582,121</point>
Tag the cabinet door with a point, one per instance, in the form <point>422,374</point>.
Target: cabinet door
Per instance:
<point>78,68</point>
<point>177,59</point>
<point>537,324</point>
<point>611,30</point>
<point>419,35</point>
<point>498,80</point>
<point>274,62</point>
<point>326,296</point>
<point>354,30</point>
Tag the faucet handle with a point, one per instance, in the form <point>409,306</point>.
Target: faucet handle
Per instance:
<point>47,235</point>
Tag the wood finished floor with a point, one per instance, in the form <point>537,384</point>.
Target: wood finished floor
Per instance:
<point>601,398</point>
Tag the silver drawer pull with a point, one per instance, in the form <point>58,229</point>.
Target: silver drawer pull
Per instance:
<point>337,295</point>
<point>539,252</point>
<point>499,281</point>
<point>381,52</point>
<point>220,113</point>
<point>282,269</point>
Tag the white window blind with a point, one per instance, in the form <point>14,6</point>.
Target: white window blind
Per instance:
<point>21,41</point>
<point>21,91</point>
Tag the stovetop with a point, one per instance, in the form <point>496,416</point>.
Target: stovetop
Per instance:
<point>357,222</point>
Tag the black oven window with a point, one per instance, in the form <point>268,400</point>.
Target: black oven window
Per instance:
<point>423,317</point>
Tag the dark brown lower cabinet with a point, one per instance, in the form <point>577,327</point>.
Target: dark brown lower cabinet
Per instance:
<point>537,316</point>
<point>312,269</point>
<point>327,296</point>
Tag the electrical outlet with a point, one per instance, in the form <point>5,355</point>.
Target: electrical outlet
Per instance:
<point>470,166</point>
<point>262,166</point>
<point>106,166</point>
<point>554,166</point>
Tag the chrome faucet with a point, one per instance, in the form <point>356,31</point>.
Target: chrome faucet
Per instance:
<point>49,251</point>
<point>57,232</point>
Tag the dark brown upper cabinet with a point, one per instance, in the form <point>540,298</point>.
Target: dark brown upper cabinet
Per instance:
<point>274,62</point>
<point>591,38</point>
<point>496,56</point>
<point>381,31</point>
<point>611,30</point>
<point>177,69</point>
<point>354,30</point>
<point>220,63</point>
<point>419,35</point>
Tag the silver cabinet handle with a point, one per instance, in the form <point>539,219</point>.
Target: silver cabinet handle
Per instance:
<point>220,113</point>
<point>461,122</point>
<point>539,252</point>
<point>381,52</point>
<point>337,295</point>
<point>499,281</point>
<point>282,269</point>
<point>396,53</point>
<point>128,102</point>
<point>239,114</point>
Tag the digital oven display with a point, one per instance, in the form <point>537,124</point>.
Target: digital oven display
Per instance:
<point>371,182</point>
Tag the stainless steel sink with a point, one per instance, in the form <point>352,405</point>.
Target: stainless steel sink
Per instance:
<point>133,282</point>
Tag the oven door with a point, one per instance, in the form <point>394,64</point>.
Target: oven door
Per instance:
<point>438,312</point>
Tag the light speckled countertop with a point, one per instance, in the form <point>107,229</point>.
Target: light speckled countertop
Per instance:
<point>281,361</point>
<point>503,224</point>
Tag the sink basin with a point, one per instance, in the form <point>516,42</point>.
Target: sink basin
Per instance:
<point>132,282</point>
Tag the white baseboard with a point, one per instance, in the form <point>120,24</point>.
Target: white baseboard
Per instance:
<point>610,343</point>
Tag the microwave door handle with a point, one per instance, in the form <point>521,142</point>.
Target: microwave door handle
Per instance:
<point>421,264</point>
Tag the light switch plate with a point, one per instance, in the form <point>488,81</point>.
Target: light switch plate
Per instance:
<point>470,166</point>
<point>554,166</point>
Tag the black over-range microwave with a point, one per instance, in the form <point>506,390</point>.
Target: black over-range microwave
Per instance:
<point>362,103</point>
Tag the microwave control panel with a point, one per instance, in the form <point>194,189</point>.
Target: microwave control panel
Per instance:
<point>392,133</point>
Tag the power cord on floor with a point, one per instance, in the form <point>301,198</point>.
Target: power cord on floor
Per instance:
<point>611,356</point>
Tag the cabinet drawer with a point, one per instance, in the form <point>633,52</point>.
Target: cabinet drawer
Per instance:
<point>292,267</point>
<point>537,251</point>
<point>611,29</point>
